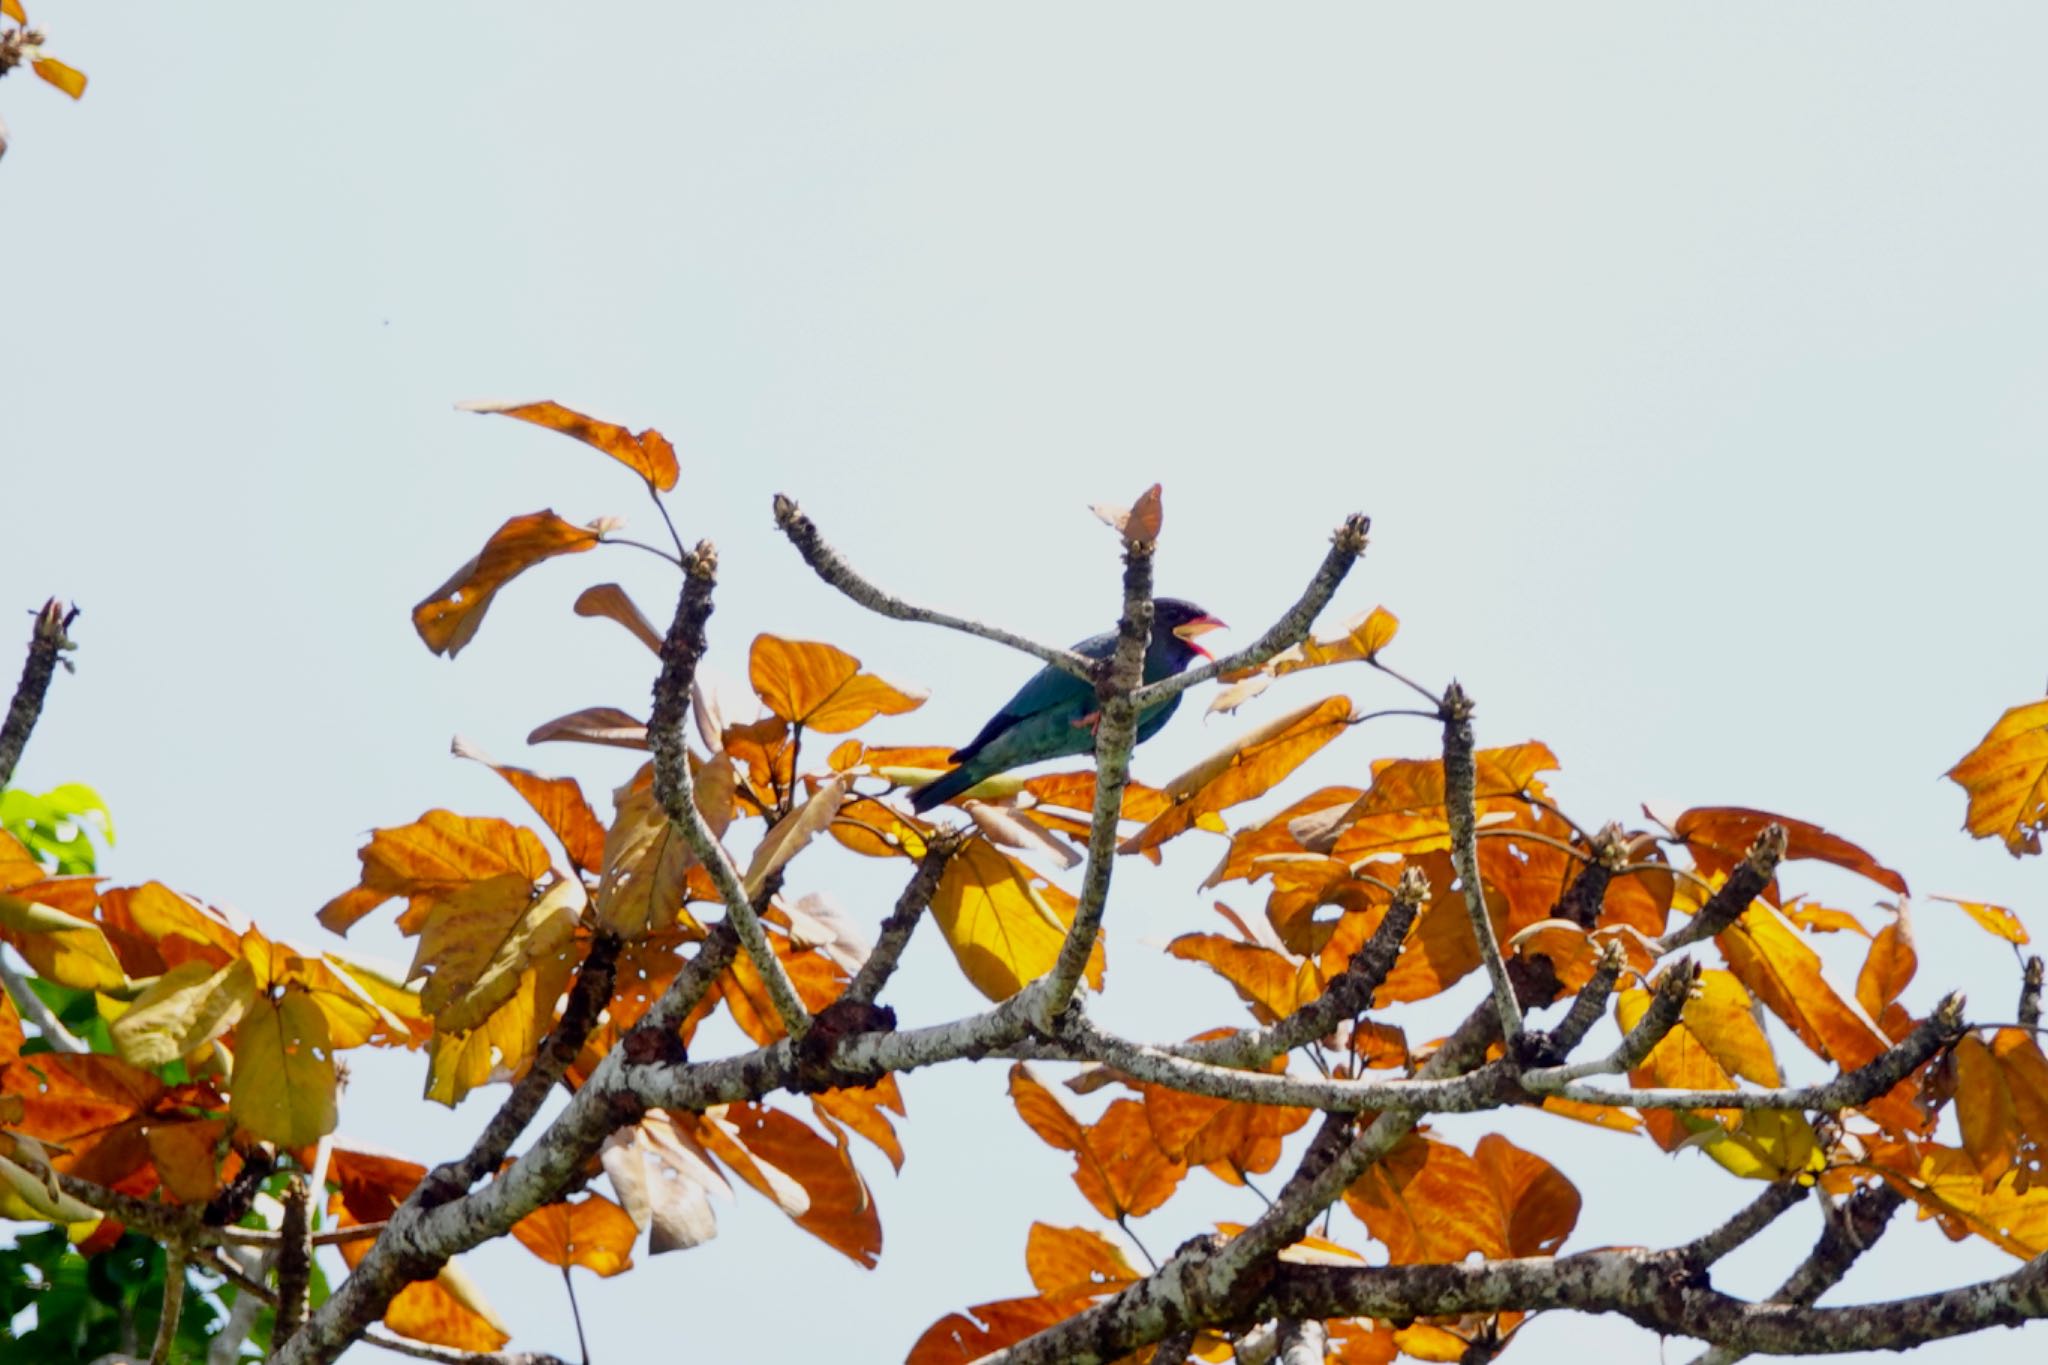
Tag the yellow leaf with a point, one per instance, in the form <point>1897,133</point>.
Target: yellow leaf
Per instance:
<point>1994,919</point>
<point>646,453</point>
<point>284,1071</point>
<point>1005,930</point>
<point>1068,1263</point>
<point>1772,1144</point>
<point>1721,1015</point>
<point>182,1011</point>
<point>13,10</point>
<point>449,616</point>
<point>821,687</point>
<point>437,856</point>
<point>2006,777</point>
<point>478,943</point>
<point>63,77</point>
<point>1250,766</point>
<point>62,948</point>
<point>499,1048</point>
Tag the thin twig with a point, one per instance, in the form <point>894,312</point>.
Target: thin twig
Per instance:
<point>1744,884</point>
<point>829,565</point>
<point>34,1011</point>
<point>667,520</point>
<point>175,1254</point>
<point>902,921</point>
<point>1751,1219</point>
<point>681,652</point>
<point>1347,544</point>
<point>448,1355</point>
<point>654,550</point>
<point>1461,810</point>
<point>576,1313</point>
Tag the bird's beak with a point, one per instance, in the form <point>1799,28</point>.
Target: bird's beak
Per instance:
<point>1201,625</point>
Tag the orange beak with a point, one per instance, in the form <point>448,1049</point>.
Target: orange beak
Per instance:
<point>1201,625</point>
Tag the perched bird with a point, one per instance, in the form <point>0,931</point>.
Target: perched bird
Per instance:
<point>1054,714</point>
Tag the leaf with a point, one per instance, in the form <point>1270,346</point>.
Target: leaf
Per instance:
<point>1946,1184</point>
<point>1679,1062</point>
<point>1887,968</point>
<point>1403,810</point>
<point>1267,980</point>
<point>820,687</point>
<point>862,1111</point>
<point>449,616</point>
<point>558,801</point>
<point>813,1180</point>
<point>13,10</point>
<point>1068,1263</point>
<point>182,1011</point>
<point>63,77</point>
<point>436,857</point>
<point>646,453</point>
<point>1426,1201</point>
<point>1004,928</point>
<point>2001,1095</point>
<point>963,1338</point>
<point>1232,1139</point>
<point>665,1179</point>
<point>2006,778</point>
<point>792,832</point>
<point>449,1310</point>
<point>1773,961</point>
<point>501,1047</point>
<point>1365,635</point>
<point>284,1073</point>
<point>61,948</point>
<point>477,944</point>
<point>1140,522</point>
<point>1721,1016</point>
<point>1118,1165</point>
<point>1718,837</point>
<point>1994,919</point>
<point>594,725</point>
<point>592,1232</point>
<point>1248,767</point>
<point>647,861</point>
<point>609,600</point>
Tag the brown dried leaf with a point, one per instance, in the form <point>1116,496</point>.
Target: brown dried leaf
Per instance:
<point>448,617</point>
<point>646,453</point>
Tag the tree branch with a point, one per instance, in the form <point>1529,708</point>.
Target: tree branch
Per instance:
<point>448,1355</point>
<point>48,1026</point>
<point>46,642</point>
<point>902,922</point>
<point>1347,543</point>
<point>1751,1219</point>
<point>175,1254</point>
<point>828,564</point>
<point>1461,809</point>
<point>1348,995</point>
<point>1845,1235</point>
<point>1744,885</point>
<point>680,654</point>
<point>294,1261</point>
<point>1116,732</point>
<point>2030,993</point>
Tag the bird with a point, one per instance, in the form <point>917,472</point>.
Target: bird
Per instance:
<point>1054,714</point>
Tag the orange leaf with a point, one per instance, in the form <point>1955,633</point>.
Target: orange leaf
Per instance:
<point>1365,635</point>
<point>1995,919</point>
<point>1946,1184</point>
<point>432,859</point>
<point>609,600</point>
<point>1247,846</point>
<point>1721,1016</point>
<point>821,687</point>
<point>861,1111</point>
<point>594,725</point>
<point>63,77</point>
<point>1067,1263</point>
<point>1232,1139</point>
<point>1887,968</point>
<point>812,1180</point>
<point>1718,837</point>
<point>1118,1165</point>
<point>2006,777</point>
<point>1403,810</point>
<point>1428,1201</point>
<point>449,616</point>
<point>1771,959</point>
<point>646,453</point>
<point>558,801</point>
<point>1265,979</point>
<point>13,10</point>
<point>1250,766</point>
<point>592,1232</point>
<point>962,1338</point>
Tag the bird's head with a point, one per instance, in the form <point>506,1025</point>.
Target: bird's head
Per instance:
<point>1184,621</point>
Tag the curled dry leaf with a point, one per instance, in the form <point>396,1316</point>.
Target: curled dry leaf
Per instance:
<point>1140,523</point>
<point>609,601</point>
<point>449,616</point>
<point>646,453</point>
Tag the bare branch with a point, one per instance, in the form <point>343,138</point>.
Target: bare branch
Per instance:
<point>1347,543</point>
<point>1302,1341</point>
<point>1589,1006</point>
<point>1744,885</point>
<point>175,1255</point>
<point>294,1260</point>
<point>680,654</point>
<point>2030,993</point>
<point>1116,732</point>
<point>46,643</point>
<point>902,922</point>
<point>1461,809</point>
<point>448,1355</point>
<point>1348,995</point>
<point>1666,1007</point>
<point>1748,1221</point>
<point>1847,1233</point>
<point>828,564</point>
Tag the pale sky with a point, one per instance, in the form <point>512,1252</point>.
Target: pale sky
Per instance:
<point>1687,359</point>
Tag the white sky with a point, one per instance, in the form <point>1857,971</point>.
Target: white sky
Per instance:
<point>1687,360</point>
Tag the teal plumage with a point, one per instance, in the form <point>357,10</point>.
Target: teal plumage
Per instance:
<point>1053,715</point>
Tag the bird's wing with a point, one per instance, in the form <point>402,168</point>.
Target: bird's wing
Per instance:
<point>1047,689</point>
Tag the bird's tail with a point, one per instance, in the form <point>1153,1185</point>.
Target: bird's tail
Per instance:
<point>945,787</point>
